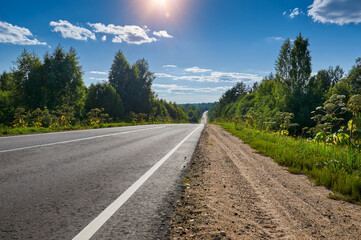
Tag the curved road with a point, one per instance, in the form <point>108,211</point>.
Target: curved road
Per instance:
<point>114,183</point>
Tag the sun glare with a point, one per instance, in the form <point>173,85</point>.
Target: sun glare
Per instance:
<point>161,8</point>
<point>161,3</point>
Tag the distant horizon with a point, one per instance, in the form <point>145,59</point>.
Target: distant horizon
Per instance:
<point>197,50</point>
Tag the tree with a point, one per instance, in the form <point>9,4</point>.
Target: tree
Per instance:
<point>145,80</point>
<point>119,76</point>
<point>26,78</point>
<point>354,77</point>
<point>6,108</point>
<point>341,88</point>
<point>159,111</point>
<point>103,95</point>
<point>293,67</point>
<point>63,80</point>
<point>300,64</point>
<point>254,87</point>
<point>325,79</point>
<point>265,99</point>
<point>172,111</point>
<point>6,99</point>
<point>336,74</point>
<point>236,92</point>
<point>5,81</point>
<point>34,88</point>
<point>283,62</point>
<point>133,93</point>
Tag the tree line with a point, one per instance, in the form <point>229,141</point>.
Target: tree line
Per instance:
<point>195,111</point>
<point>51,93</point>
<point>293,101</point>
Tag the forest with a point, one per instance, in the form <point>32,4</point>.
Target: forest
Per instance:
<point>50,93</point>
<point>294,102</point>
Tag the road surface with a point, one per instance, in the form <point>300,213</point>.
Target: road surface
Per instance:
<point>114,183</point>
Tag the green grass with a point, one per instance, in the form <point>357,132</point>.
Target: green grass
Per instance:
<point>338,169</point>
<point>28,130</point>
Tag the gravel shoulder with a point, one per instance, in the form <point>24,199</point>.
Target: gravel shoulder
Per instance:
<point>235,193</point>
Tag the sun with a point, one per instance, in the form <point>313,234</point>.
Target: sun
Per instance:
<point>163,6</point>
<point>160,3</point>
<point>160,9</point>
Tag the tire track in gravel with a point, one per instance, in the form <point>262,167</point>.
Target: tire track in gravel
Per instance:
<point>270,193</point>
<point>266,216</point>
<point>236,193</point>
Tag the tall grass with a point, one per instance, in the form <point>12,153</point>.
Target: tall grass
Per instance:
<point>338,169</point>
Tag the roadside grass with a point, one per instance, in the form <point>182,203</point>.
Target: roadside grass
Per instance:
<point>4,130</point>
<point>336,168</point>
<point>186,181</point>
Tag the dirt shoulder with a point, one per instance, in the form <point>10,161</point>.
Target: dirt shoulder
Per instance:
<point>235,193</point>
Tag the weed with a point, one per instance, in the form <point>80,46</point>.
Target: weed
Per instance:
<point>337,168</point>
<point>186,181</point>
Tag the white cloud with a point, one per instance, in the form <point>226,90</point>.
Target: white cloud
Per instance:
<point>169,66</point>
<point>98,79</point>
<point>163,75</point>
<point>17,35</point>
<point>162,33</point>
<point>173,88</point>
<point>181,98</point>
<point>98,72</point>
<point>196,93</point>
<point>276,38</point>
<point>293,13</point>
<point>197,70</point>
<point>336,11</point>
<point>215,77</point>
<point>104,38</point>
<point>235,77</point>
<point>68,30</point>
<point>130,34</point>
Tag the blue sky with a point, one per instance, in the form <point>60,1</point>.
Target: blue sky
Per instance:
<point>197,48</point>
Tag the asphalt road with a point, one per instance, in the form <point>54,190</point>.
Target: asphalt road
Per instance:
<point>54,185</point>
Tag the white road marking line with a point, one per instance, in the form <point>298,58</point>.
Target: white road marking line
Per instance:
<point>71,131</point>
<point>104,216</point>
<point>76,140</point>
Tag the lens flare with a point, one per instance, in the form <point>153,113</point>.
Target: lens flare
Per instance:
<point>160,9</point>
<point>161,3</point>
